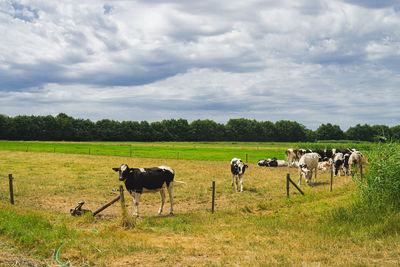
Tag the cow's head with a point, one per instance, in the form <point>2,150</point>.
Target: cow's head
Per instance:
<point>123,171</point>
<point>241,166</point>
<point>307,173</point>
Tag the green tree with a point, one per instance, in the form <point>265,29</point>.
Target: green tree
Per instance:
<point>395,133</point>
<point>176,130</point>
<point>329,132</point>
<point>360,132</point>
<point>206,130</point>
<point>381,133</point>
<point>5,127</point>
<point>290,131</point>
<point>268,130</point>
<point>243,130</point>
<point>108,130</point>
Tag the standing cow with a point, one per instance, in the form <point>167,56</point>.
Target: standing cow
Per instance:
<point>146,180</point>
<point>292,154</point>
<point>338,163</point>
<point>356,159</point>
<point>237,169</point>
<point>307,164</point>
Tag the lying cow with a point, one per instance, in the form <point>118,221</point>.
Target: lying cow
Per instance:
<point>237,169</point>
<point>272,163</point>
<point>307,164</point>
<point>145,180</point>
<point>325,165</point>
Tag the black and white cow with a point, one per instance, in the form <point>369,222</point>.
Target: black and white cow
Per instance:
<point>338,162</point>
<point>274,162</point>
<point>237,169</point>
<point>144,180</point>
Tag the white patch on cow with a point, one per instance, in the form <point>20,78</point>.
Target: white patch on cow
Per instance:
<point>166,168</point>
<point>123,167</point>
<point>142,170</point>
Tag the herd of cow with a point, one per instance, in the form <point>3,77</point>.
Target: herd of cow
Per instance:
<point>340,160</point>
<point>143,180</point>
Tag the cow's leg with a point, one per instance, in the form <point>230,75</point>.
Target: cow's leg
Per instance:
<point>162,194</point>
<point>315,177</point>
<point>237,182</point>
<point>170,187</point>
<point>241,183</point>
<point>136,199</point>
<point>299,177</point>
<point>233,178</point>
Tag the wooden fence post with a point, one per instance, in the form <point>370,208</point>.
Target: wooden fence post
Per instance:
<point>361,173</point>
<point>246,157</point>
<point>294,184</point>
<point>10,179</point>
<point>124,213</point>
<point>287,184</point>
<point>331,178</point>
<point>213,197</point>
<point>106,205</point>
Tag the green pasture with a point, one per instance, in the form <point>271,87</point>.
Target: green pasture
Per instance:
<point>203,151</point>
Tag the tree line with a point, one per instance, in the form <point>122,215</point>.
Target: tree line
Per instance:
<point>64,127</point>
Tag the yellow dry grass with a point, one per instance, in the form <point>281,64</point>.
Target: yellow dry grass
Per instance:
<point>259,226</point>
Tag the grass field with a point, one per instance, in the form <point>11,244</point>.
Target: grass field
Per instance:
<point>204,151</point>
<point>259,227</point>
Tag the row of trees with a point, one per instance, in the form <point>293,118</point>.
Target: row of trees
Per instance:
<point>64,127</point>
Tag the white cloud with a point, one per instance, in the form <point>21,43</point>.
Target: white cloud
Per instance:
<point>329,61</point>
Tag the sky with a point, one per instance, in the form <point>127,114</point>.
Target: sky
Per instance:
<point>314,62</point>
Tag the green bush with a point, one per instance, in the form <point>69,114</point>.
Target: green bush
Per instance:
<point>375,211</point>
<point>381,188</point>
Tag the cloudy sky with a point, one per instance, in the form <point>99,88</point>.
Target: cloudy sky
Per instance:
<point>313,62</point>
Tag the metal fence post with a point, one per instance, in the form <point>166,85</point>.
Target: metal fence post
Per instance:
<point>10,179</point>
<point>213,197</point>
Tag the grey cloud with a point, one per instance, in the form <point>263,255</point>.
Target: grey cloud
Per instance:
<point>373,3</point>
<point>269,60</point>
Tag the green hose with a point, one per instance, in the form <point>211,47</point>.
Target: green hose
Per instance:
<point>58,252</point>
<point>62,244</point>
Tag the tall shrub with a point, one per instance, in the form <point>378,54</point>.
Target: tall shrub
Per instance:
<point>381,188</point>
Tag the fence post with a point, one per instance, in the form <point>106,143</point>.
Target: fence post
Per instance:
<point>10,179</point>
<point>213,197</point>
<point>361,173</point>
<point>294,184</point>
<point>246,157</point>
<point>124,214</point>
<point>287,184</point>
<point>331,178</point>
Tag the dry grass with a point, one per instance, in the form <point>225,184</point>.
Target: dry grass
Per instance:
<point>257,227</point>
